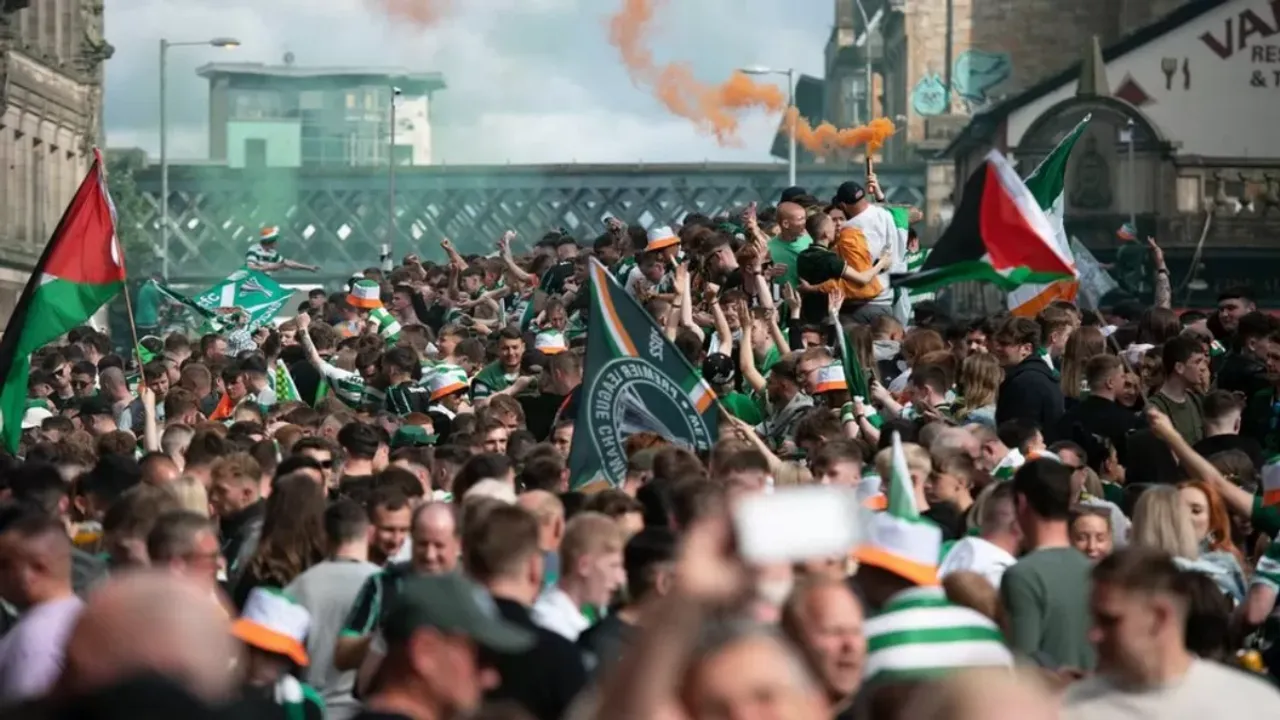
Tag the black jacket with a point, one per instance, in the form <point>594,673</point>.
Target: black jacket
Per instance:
<point>544,679</point>
<point>240,534</point>
<point>1243,372</point>
<point>1030,393</point>
<point>1095,417</point>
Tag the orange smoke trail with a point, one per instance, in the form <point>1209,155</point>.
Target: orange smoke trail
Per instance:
<point>713,108</point>
<point>418,12</point>
<point>826,138</point>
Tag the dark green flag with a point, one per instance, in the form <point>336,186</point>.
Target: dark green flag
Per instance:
<point>634,380</point>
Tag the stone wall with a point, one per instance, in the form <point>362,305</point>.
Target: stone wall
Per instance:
<point>51,54</point>
<point>1027,40</point>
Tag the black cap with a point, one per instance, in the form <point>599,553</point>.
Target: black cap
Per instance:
<point>717,369</point>
<point>97,405</point>
<point>533,361</point>
<point>792,193</point>
<point>452,604</point>
<point>848,193</point>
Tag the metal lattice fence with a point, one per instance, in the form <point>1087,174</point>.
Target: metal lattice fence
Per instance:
<point>339,219</point>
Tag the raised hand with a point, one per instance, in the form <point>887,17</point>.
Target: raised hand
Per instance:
<point>835,301</point>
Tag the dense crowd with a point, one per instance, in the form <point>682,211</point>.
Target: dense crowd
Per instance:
<point>365,510</point>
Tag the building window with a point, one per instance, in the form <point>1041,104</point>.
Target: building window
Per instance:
<point>1189,194</point>
<point>311,100</point>
<point>52,14</point>
<point>255,153</point>
<point>69,25</point>
<point>256,105</point>
<point>351,101</point>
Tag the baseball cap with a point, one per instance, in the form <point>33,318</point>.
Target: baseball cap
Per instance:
<point>452,605</point>
<point>97,405</point>
<point>793,192</point>
<point>717,369</point>
<point>34,417</point>
<point>412,436</point>
<point>848,193</point>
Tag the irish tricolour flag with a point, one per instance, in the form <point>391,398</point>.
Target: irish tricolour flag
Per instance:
<point>1047,184</point>
<point>999,234</point>
<point>81,269</point>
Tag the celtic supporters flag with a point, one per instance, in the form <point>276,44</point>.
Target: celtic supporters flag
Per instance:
<point>634,381</point>
<point>260,297</point>
<point>81,269</point>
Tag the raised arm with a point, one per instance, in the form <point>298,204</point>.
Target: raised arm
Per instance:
<point>746,355</point>
<point>684,298</point>
<point>765,296</point>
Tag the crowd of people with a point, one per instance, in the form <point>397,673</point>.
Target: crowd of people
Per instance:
<point>365,511</point>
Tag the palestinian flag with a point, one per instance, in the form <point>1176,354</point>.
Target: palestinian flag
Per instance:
<point>1047,183</point>
<point>999,235</point>
<point>634,380</point>
<point>81,269</point>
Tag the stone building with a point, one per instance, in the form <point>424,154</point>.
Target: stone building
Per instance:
<point>939,62</point>
<point>1178,141</point>
<point>51,55</point>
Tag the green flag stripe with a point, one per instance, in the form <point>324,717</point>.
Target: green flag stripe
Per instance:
<point>1047,181</point>
<point>55,307</point>
<point>976,270</point>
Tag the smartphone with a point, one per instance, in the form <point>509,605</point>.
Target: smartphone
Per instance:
<point>793,524</point>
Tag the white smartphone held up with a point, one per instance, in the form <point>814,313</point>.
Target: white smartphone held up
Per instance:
<point>798,523</point>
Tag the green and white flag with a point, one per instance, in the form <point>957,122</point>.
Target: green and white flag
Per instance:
<point>635,381</point>
<point>1047,184</point>
<point>258,295</point>
<point>197,315</point>
<point>283,385</point>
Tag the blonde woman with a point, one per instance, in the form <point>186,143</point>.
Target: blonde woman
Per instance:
<point>1082,345</point>
<point>1162,521</point>
<point>979,381</point>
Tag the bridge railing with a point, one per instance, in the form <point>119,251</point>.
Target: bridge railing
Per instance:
<point>340,218</point>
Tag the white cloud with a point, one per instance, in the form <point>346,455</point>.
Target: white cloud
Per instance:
<point>529,80</point>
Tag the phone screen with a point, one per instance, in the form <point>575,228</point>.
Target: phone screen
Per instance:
<point>798,523</point>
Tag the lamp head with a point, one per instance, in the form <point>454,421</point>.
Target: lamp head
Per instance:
<point>224,42</point>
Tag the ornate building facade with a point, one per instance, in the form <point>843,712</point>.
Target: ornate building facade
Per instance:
<point>51,56</point>
<point>1177,143</point>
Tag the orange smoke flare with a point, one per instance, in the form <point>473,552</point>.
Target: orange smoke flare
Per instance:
<point>418,12</point>
<point>826,138</point>
<point>713,108</point>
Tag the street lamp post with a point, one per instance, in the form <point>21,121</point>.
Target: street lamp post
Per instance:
<point>391,172</point>
<point>790,75</point>
<point>164,139</point>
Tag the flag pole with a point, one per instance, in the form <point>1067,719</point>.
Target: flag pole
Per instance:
<point>128,303</point>
<point>133,331</point>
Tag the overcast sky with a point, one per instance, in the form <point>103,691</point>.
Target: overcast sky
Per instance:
<point>530,81</point>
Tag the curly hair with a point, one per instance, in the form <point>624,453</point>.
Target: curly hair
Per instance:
<point>293,536</point>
